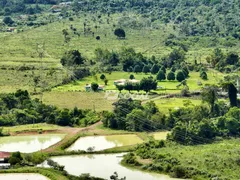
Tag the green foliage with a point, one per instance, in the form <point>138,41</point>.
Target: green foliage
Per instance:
<point>203,75</point>
<point>171,76</point>
<point>180,76</point>
<point>72,58</point>
<point>120,33</point>
<point>28,111</point>
<point>8,20</point>
<point>209,95</point>
<point>15,158</point>
<point>102,77</point>
<point>145,69</point>
<point>131,76</point>
<point>148,84</point>
<point>155,69</point>
<point>137,69</point>
<point>132,116</point>
<point>94,86</point>
<point>161,75</point>
<point>232,58</point>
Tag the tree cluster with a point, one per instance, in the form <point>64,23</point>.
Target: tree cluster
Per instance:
<point>18,109</point>
<point>132,116</point>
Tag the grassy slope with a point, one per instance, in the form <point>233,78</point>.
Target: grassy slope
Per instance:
<point>20,48</point>
<point>220,159</point>
<point>70,97</point>
<point>169,85</point>
<point>31,127</point>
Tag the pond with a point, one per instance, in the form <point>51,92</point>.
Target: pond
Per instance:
<point>98,143</point>
<point>29,144</point>
<point>103,166</point>
<point>160,135</point>
<point>22,176</point>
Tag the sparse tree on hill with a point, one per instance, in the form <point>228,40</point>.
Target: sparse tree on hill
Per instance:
<point>120,33</point>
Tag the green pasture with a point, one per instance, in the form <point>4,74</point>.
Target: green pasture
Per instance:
<point>167,86</point>
<point>31,127</point>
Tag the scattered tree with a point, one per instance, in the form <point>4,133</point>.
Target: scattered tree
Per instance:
<point>94,86</point>
<point>180,76</point>
<point>120,33</point>
<point>171,76</point>
<point>161,75</point>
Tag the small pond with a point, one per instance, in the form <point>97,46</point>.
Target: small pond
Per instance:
<point>103,165</point>
<point>29,144</point>
<point>22,176</point>
<point>98,143</point>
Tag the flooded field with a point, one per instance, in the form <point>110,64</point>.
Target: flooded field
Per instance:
<point>28,144</point>
<point>98,143</point>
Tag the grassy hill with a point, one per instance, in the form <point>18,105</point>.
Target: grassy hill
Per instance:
<point>19,56</point>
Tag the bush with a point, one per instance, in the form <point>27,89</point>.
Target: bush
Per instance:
<point>8,20</point>
<point>180,76</point>
<point>94,86</point>
<point>179,172</point>
<point>120,33</point>
<point>171,76</point>
<point>145,69</point>
<point>102,77</point>
<point>131,76</point>
<point>161,75</point>
<point>154,69</point>
<point>203,75</point>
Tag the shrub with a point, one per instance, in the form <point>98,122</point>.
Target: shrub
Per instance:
<point>131,76</point>
<point>102,77</point>
<point>203,75</point>
<point>180,76</point>
<point>154,69</point>
<point>171,76</point>
<point>161,75</point>
<point>94,86</point>
<point>179,172</point>
<point>120,33</point>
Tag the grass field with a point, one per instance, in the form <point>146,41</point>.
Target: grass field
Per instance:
<point>20,49</point>
<point>30,127</point>
<point>83,100</point>
<point>174,103</point>
<point>220,159</point>
<point>170,86</point>
<point>74,94</point>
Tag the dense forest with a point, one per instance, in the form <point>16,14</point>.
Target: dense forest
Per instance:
<point>191,18</point>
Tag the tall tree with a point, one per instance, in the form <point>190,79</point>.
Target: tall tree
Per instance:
<point>210,95</point>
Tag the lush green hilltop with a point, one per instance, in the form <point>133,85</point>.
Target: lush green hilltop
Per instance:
<point>203,17</point>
